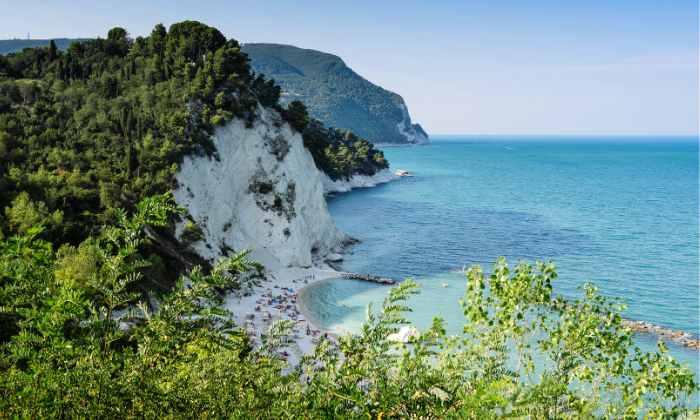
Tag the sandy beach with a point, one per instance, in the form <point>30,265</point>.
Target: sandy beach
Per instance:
<point>277,298</point>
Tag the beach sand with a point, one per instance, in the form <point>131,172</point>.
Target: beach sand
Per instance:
<point>277,298</point>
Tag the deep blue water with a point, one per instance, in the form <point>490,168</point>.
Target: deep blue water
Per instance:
<point>621,212</point>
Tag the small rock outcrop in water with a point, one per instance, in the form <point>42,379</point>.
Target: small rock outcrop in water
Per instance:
<point>335,94</point>
<point>262,192</point>
<point>405,334</point>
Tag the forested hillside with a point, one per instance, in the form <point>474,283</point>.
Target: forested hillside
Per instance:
<point>335,94</point>
<point>106,123</point>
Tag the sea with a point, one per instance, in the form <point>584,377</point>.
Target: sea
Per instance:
<point>620,212</point>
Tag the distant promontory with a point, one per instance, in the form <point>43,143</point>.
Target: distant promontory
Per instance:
<point>335,94</point>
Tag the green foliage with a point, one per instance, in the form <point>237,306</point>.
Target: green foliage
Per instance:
<point>191,232</point>
<point>24,214</point>
<point>107,122</point>
<point>341,154</point>
<point>338,153</point>
<point>268,93</point>
<point>87,349</point>
<point>94,348</point>
<point>586,363</point>
<point>297,116</point>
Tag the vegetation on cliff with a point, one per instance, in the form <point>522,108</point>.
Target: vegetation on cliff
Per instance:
<point>107,122</point>
<point>338,153</point>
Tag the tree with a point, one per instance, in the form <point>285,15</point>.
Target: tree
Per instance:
<point>53,51</point>
<point>25,214</point>
<point>117,34</point>
<point>267,92</point>
<point>297,116</point>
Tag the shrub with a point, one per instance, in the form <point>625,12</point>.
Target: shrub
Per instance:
<point>93,348</point>
<point>191,232</point>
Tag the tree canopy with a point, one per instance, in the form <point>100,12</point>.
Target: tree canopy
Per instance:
<point>107,122</point>
<point>77,341</point>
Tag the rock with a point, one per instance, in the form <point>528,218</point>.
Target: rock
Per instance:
<point>405,334</point>
<point>439,393</point>
<point>288,191</point>
<point>356,181</point>
<point>364,385</point>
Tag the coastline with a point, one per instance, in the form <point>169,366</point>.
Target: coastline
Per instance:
<point>280,294</point>
<point>278,298</point>
<point>680,338</point>
<point>304,309</point>
<point>356,181</point>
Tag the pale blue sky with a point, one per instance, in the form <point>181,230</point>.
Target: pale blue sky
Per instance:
<point>525,67</point>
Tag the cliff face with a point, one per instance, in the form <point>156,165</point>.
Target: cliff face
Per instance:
<point>335,94</point>
<point>262,193</point>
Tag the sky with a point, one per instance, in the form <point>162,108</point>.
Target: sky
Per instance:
<point>463,67</point>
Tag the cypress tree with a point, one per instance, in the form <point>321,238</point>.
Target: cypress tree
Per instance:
<point>53,51</point>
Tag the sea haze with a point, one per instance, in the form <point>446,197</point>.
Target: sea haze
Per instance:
<point>619,211</point>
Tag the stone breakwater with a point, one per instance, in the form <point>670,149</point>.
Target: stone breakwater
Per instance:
<point>678,337</point>
<point>368,277</point>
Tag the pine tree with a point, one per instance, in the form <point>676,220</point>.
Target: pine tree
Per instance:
<point>53,51</point>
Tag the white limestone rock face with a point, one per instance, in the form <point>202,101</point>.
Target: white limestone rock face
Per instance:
<point>356,181</point>
<point>263,193</point>
<point>413,133</point>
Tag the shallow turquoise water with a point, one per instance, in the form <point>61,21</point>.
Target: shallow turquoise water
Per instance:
<point>621,212</point>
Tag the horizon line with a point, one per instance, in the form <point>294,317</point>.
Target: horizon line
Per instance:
<point>565,134</point>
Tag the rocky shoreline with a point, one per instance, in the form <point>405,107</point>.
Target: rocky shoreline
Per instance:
<point>356,181</point>
<point>679,337</point>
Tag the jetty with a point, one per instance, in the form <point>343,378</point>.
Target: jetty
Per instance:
<point>368,277</point>
<point>679,337</point>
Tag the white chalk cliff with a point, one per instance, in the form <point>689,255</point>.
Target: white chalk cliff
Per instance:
<point>413,133</point>
<point>262,193</point>
<point>331,186</point>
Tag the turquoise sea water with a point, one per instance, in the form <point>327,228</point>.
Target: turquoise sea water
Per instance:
<point>621,212</point>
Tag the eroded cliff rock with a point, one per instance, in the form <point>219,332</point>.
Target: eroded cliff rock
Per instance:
<point>261,192</point>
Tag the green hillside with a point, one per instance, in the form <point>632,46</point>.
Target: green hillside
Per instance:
<point>107,122</point>
<point>335,94</point>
